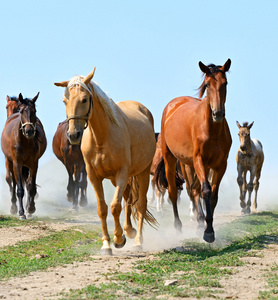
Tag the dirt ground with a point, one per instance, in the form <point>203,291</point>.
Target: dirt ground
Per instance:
<point>245,283</point>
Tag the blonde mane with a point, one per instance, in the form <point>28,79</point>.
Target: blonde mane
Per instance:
<point>107,104</point>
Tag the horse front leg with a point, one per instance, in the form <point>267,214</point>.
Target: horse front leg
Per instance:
<point>241,181</point>
<point>31,190</point>
<point>130,231</point>
<point>116,208</point>
<point>202,175</point>
<point>256,187</point>
<point>250,187</point>
<point>20,189</point>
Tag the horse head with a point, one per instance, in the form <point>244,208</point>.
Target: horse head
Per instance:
<point>78,101</point>
<point>215,83</point>
<point>12,105</point>
<point>28,118</point>
<point>244,135</point>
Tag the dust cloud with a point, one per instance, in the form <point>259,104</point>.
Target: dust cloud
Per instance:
<point>52,181</point>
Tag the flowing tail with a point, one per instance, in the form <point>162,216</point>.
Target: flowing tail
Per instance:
<point>133,201</point>
<point>161,180</point>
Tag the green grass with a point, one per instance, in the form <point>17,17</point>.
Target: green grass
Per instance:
<point>197,267</point>
<point>58,248</point>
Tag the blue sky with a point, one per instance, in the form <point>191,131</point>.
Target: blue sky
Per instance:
<point>146,51</point>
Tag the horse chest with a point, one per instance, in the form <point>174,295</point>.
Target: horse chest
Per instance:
<point>246,161</point>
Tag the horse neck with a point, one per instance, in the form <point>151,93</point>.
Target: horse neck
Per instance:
<point>98,121</point>
<point>214,128</point>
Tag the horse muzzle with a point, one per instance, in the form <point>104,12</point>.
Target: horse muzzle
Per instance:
<point>75,137</point>
<point>218,116</point>
<point>29,130</point>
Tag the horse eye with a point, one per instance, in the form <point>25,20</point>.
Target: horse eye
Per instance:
<point>84,100</point>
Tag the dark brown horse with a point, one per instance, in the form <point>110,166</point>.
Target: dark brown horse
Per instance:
<point>23,142</point>
<point>72,158</point>
<point>196,133</point>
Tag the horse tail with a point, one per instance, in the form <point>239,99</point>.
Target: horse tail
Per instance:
<point>161,180</point>
<point>133,201</point>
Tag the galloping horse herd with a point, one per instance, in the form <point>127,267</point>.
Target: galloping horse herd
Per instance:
<point>104,139</point>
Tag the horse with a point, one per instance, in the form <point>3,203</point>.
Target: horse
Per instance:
<point>249,157</point>
<point>159,192</point>
<point>156,193</point>
<point>195,132</point>
<point>72,158</point>
<point>12,105</point>
<point>117,143</point>
<point>23,142</point>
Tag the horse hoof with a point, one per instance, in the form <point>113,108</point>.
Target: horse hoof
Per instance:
<point>106,251</point>
<point>137,248</point>
<point>178,226</point>
<point>74,209</point>
<point>120,245</point>
<point>83,202</point>
<point>29,216</point>
<point>13,210</point>
<point>209,237</point>
<point>131,233</point>
<point>22,217</point>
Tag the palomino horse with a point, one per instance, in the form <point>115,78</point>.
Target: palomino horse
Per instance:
<point>119,144</point>
<point>196,133</point>
<point>250,157</point>
<point>23,142</point>
<point>72,158</point>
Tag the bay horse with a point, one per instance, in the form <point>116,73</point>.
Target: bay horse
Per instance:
<point>72,158</point>
<point>249,157</point>
<point>23,142</point>
<point>196,133</point>
<point>117,143</point>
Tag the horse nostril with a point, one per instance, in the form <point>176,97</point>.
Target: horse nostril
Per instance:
<point>74,138</point>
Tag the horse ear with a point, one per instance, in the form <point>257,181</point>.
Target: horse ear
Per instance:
<point>226,66</point>
<point>238,125</point>
<point>205,69</point>
<point>62,84</point>
<point>35,98</point>
<point>8,98</point>
<point>20,97</point>
<point>250,125</point>
<point>89,77</point>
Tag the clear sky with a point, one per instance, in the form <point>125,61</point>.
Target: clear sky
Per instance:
<point>146,51</point>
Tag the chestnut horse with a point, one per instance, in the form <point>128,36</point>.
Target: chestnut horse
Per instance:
<point>72,158</point>
<point>118,143</point>
<point>250,157</point>
<point>23,142</point>
<point>196,133</point>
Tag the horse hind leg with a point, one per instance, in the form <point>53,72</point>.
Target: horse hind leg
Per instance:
<point>130,231</point>
<point>141,206</point>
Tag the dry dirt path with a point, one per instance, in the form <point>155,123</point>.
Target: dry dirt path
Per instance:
<point>245,282</point>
